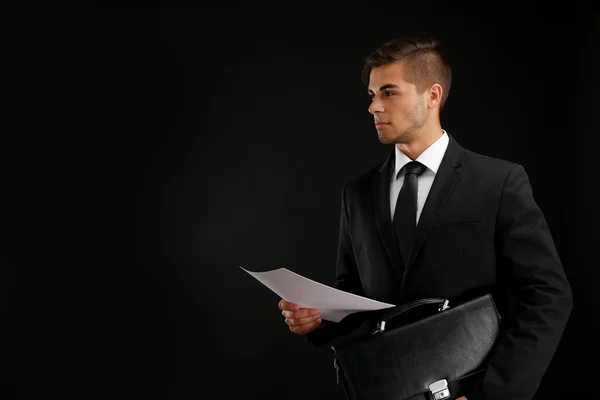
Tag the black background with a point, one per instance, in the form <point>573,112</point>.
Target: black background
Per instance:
<point>148,150</point>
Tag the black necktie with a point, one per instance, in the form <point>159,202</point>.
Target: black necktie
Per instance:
<point>405,216</point>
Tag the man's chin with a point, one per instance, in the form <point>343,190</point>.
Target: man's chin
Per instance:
<point>384,139</point>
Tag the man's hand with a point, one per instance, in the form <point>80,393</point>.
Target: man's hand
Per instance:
<point>462,398</point>
<point>300,320</point>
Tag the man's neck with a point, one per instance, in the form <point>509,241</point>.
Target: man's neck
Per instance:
<point>420,142</point>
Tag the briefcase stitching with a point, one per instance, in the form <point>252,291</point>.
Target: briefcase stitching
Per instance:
<point>468,375</point>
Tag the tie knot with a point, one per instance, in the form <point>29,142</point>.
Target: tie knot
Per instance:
<point>414,167</point>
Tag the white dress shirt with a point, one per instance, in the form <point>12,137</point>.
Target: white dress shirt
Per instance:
<point>431,158</point>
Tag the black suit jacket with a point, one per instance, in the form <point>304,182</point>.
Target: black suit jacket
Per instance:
<point>480,232</point>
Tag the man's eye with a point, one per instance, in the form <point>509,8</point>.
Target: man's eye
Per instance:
<point>387,94</point>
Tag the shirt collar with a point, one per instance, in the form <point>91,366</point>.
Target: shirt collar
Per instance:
<point>431,157</point>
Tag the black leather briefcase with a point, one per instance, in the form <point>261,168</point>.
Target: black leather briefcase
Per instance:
<point>437,356</point>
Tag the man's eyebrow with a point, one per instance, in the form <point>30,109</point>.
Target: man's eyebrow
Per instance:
<point>386,86</point>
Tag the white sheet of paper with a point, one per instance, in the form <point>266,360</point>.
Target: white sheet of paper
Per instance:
<point>333,304</point>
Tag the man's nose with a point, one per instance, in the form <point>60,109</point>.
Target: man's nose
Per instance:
<point>375,106</point>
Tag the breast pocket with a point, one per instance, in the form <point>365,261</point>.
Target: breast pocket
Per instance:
<point>450,224</point>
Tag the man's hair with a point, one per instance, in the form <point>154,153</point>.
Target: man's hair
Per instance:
<point>423,60</point>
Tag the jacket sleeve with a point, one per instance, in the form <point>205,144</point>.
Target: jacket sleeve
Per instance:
<point>346,279</point>
<point>528,257</point>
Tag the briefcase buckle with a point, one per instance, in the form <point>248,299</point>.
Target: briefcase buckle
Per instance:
<point>439,389</point>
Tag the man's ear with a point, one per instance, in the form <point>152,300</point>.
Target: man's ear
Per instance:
<point>434,95</point>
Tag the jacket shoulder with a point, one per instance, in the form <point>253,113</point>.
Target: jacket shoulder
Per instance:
<point>364,180</point>
<point>487,165</point>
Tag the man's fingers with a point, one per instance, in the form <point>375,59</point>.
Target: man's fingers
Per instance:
<point>288,306</point>
<point>301,321</point>
<point>301,313</point>
<point>306,328</point>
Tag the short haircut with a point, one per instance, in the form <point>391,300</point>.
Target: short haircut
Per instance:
<point>424,62</point>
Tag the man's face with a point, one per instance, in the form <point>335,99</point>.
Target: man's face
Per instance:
<point>399,111</point>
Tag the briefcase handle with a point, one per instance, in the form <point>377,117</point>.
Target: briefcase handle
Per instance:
<point>443,304</point>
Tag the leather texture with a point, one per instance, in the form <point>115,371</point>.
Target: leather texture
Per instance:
<point>397,311</point>
<point>402,362</point>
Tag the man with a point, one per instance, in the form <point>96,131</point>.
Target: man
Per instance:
<point>478,230</point>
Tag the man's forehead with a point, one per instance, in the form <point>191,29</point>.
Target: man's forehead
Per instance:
<point>385,75</point>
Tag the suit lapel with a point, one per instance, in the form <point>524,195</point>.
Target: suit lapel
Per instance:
<point>442,186</point>
<point>383,218</point>
<point>443,183</point>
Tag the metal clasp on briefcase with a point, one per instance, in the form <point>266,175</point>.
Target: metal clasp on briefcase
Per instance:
<point>439,390</point>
